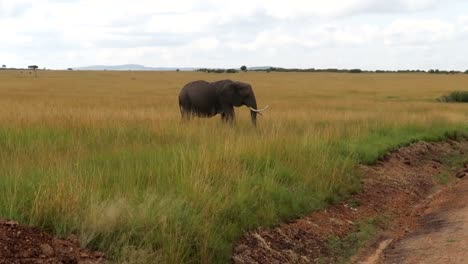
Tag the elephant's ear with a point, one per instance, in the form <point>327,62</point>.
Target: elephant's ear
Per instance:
<point>229,93</point>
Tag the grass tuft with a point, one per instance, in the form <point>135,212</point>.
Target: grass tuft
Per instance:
<point>342,249</point>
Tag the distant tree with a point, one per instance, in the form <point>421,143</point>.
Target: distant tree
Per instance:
<point>34,68</point>
<point>177,70</point>
<point>355,71</point>
<point>69,69</point>
<point>243,68</point>
<point>3,66</point>
<point>466,72</point>
<point>231,71</point>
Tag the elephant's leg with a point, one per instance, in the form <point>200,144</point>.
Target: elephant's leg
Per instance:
<point>232,117</point>
<point>229,117</point>
<point>227,114</point>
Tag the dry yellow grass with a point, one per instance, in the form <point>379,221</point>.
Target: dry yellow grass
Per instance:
<point>104,153</point>
<point>91,98</point>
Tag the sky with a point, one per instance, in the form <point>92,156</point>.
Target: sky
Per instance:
<point>365,34</point>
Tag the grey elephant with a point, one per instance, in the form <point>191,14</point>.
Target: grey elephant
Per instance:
<point>207,99</point>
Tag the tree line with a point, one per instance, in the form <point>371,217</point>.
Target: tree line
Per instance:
<point>333,70</point>
<point>30,67</point>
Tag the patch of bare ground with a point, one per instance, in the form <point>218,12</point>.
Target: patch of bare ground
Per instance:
<point>399,188</point>
<point>442,232</point>
<point>21,244</point>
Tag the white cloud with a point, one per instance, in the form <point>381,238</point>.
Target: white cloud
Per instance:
<point>13,9</point>
<point>208,43</point>
<point>295,33</point>
<point>180,23</point>
<point>336,8</point>
<point>418,32</point>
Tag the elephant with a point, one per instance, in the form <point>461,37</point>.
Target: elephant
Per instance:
<point>207,99</point>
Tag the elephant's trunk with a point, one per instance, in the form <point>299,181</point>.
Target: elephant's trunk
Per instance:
<point>252,104</point>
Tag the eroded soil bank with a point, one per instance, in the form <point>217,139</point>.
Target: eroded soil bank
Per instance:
<point>21,244</point>
<point>395,193</point>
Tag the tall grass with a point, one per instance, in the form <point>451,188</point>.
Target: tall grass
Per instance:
<point>104,155</point>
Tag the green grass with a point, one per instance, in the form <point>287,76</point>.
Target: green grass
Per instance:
<point>443,178</point>
<point>456,161</point>
<point>147,192</point>
<point>456,96</point>
<point>370,147</point>
<point>341,249</point>
<point>128,189</point>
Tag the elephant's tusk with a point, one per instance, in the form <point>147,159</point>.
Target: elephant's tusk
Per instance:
<point>258,111</point>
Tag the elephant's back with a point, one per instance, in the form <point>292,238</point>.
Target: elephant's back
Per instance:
<point>197,88</point>
<point>200,96</point>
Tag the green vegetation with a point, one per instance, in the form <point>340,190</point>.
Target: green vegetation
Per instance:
<point>218,70</point>
<point>457,96</point>
<point>104,155</point>
<point>443,178</point>
<point>342,249</point>
<point>455,162</point>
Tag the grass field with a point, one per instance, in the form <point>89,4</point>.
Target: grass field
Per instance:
<point>104,155</point>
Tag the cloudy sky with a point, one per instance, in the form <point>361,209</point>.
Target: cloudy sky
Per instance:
<point>366,34</point>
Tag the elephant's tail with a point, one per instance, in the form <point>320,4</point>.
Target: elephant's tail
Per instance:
<point>181,109</point>
<point>184,108</point>
<point>181,105</point>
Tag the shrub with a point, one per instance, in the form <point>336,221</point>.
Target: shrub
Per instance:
<point>456,96</point>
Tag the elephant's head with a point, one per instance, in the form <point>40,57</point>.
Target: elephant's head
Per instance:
<point>239,94</point>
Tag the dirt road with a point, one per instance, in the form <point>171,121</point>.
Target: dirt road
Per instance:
<point>403,187</point>
<point>442,236</point>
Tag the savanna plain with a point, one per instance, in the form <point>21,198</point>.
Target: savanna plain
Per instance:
<point>104,155</point>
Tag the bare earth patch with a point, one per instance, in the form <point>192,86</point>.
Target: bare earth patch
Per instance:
<point>441,237</point>
<point>400,188</point>
<point>26,245</point>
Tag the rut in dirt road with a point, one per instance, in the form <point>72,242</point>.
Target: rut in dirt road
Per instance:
<point>443,235</point>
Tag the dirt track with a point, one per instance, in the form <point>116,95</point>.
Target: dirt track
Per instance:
<point>442,236</point>
<point>400,187</point>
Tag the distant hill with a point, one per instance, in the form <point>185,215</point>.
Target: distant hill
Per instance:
<point>129,67</point>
